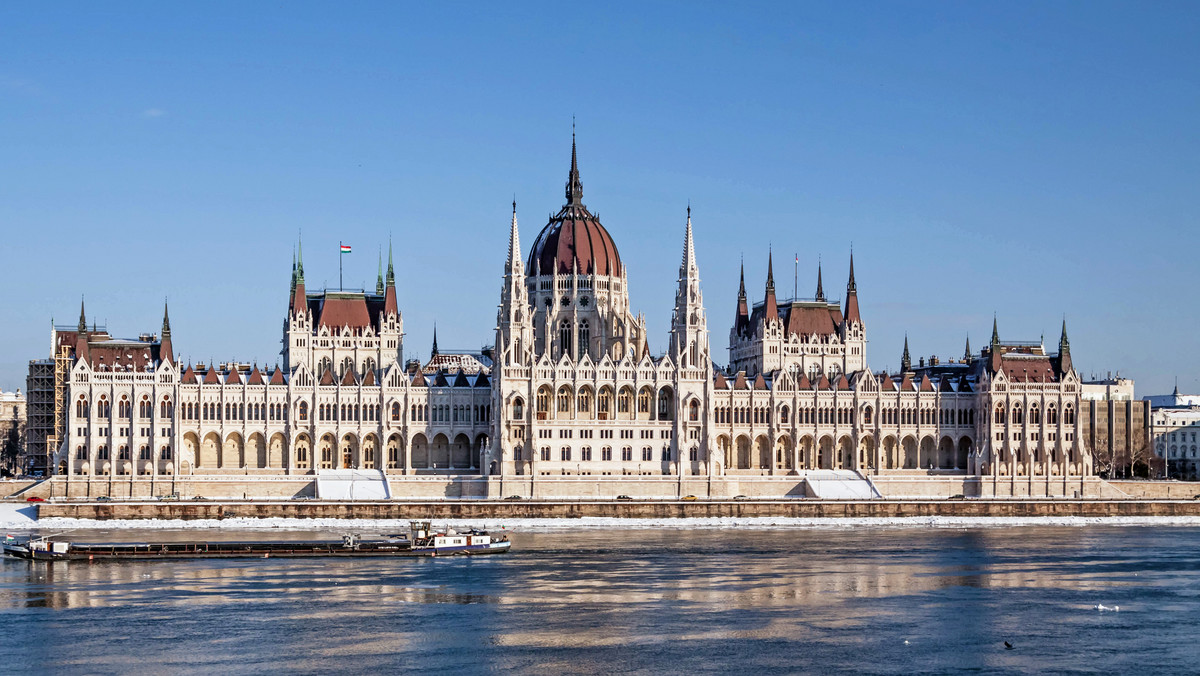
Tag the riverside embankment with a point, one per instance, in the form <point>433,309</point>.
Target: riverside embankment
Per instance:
<point>635,509</point>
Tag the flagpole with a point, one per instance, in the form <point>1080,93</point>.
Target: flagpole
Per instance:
<point>340,287</point>
<point>796,277</point>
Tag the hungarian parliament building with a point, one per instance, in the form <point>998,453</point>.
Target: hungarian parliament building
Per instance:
<point>569,389</point>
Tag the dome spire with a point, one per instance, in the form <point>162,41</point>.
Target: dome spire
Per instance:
<point>574,185</point>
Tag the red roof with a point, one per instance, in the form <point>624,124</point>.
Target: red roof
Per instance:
<point>1038,370</point>
<point>803,383</point>
<point>419,380</point>
<point>338,311</point>
<point>926,384</point>
<point>842,383</point>
<point>277,376</point>
<point>720,383</point>
<point>234,376</point>
<point>348,379</point>
<point>759,382</point>
<point>189,376</point>
<point>739,383</point>
<point>886,383</point>
<point>823,383</point>
<point>369,378</point>
<point>256,377</point>
<point>211,377</point>
<point>327,377</point>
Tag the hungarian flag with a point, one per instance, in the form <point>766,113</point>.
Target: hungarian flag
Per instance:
<point>345,248</point>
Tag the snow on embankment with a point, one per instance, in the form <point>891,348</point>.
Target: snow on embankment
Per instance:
<point>17,515</point>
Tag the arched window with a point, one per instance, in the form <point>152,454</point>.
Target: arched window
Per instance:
<point>564,338</point>
<point>1069,415</point>
<point>624,400</point>
<point>304,410</point>
<point>868,415</point>
<point>347,365</point>
<point>518,409</point>
<point>584,401</point>
<point>694,411</point>
<point>564,399</point>
<point>395,411</point>
<point>999,414</point>
<point>644,399</point>
<point>665,404</point>
<point>543,402</point>
<point>584,340</point>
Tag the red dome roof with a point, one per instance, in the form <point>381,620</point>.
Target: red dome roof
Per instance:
<point>574,237</point>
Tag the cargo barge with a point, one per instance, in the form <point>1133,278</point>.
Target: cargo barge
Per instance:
<point>423,541</point>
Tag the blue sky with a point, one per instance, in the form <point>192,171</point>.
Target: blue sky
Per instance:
<point>1032,160</point>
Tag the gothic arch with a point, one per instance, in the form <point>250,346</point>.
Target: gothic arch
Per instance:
<point>420,451</point>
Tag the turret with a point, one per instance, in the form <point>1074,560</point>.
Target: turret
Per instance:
<point>299,297</point>
<point>770,306</point>
<point>851,314</point>
<point>390,307</point>
<point>967,351</point>
<point>165,352</point>
<point>689,328</point>
<point>820,297</point>
<point>905,360</point>
<point>1064,351</point>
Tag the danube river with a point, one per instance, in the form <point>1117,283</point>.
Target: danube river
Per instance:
<point>863,600</point>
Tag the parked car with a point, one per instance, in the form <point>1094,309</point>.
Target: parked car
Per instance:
<point>169,496</point>
<point>624,497</point>
<point>514,497</point>
<point>103,498</point>
<point>740,497</point>
<point>689,498</point>
<point>35,499</point>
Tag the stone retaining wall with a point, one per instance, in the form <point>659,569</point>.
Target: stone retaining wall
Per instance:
<point>488,509</point>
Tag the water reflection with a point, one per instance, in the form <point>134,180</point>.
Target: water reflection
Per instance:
<point>646,601</point>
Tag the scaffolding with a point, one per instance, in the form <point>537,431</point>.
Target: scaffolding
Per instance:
<point>46,389</point>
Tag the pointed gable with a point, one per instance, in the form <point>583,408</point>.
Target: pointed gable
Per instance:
<point>419,380</point>
<point>211,377</point>
<point>906,384</point>
<point>440,380</point>
<point>926,384</point>
<point>739,383</point>
<point>964,385</point>
<point>348,379</point>
<point>482,380</point>
<point>327,377</point>
<point>823,383</point>
<point>460,380</point>
<point>803,383</point>
<point>720,383</point>
<point>944,384</point>
<point>369,378</point>
<point>256,377</point>
<point>759,382</point>
<point>843,384</point>
<point>277,376</point>
<point>886,384</point>
<point>189,376</point>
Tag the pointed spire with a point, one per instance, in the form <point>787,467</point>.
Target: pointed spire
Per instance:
<point>742,283</point>
<point>299,261</point>
<point>995,332</point>
<point>689,249</point>
<point>770,306</point>
<point>820,287</point>
<point>379,278</point>
<point>574,185</point>
<point>905,360</point>
<point>165,351</point>
<point>82,317</point>
<point>514,241</point>
<point>851,313</point>
<point>293,269</point>
<point>1064,345</point>
<point>967,352</point>
<point>1176,392</point>
<point>434,352</point>
<point>391,273</point>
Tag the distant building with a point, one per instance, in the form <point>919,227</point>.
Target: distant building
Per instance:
<point>12,416</point>
<point>1173,400</point>
<point>1116,427</point>
<point>1175,432</point>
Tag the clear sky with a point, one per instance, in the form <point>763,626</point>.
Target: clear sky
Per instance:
<point>1032,160</point>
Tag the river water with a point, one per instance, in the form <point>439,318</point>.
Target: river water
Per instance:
<point>863,600</point>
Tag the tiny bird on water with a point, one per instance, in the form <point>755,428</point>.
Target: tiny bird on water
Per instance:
<point>1007,645</point>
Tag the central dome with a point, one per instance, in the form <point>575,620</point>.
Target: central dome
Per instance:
<point>574,237</point>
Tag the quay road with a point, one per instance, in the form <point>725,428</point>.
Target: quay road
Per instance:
<point>642,509</point>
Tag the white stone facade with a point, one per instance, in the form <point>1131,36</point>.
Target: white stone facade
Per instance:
<point>572,390</point>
